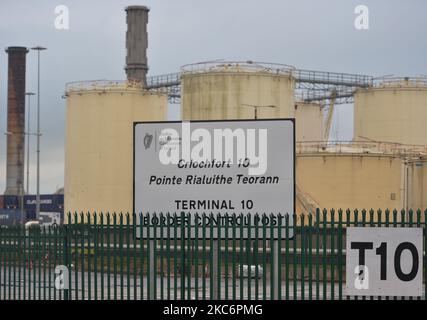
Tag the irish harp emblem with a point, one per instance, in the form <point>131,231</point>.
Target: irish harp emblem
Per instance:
<point>147,140</point>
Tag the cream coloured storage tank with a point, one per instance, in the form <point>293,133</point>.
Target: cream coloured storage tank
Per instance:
<point>309,121</point>
<point>99,143</point>
<point>237,90</point>
<point>394,110</point>
<point>350,176</point>
<point>417,175</point>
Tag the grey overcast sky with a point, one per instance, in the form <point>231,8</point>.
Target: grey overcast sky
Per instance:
<point>308,34</point>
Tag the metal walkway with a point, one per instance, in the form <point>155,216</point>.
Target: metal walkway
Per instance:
<point>310,85</point>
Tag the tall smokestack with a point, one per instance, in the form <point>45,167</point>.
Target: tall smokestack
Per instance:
<point>137,43</point>
<point>15,120</point>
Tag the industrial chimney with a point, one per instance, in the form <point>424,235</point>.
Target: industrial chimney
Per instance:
<point>15,120</point>
<point>137,43</point>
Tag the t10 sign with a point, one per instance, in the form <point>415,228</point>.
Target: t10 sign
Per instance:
<point>384,261</point>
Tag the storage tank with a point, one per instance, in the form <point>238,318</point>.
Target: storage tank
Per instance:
<point>348,177</point>
<point>394,110</point>
<point>309,121</point>
<point>237,90</point>
<point>99,143</point>
<point>417,175</point>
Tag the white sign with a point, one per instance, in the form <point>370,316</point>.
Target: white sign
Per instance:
<point>215,167</point>
<point>49,218</point>
<point>384,261</point>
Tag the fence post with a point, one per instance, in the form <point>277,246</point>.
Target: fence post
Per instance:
<point>425,249</point>
<point>151,260</point>
<point>340,255</point>
<point>66,262</point>
<point>276,280</point>
<point>182,266</point>
<point>215,275</point>
<point>152,263</point>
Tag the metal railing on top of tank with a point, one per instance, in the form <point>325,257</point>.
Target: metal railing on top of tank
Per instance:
<point>101,85</point>
<point>368,147</point>
<point>238,66</point>
<point>400,82</point>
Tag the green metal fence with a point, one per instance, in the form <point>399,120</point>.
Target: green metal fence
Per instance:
<point>105,258</point>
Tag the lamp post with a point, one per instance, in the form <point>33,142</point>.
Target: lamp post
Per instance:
<point>38,49</point>
<point>256,108</point>
<point>28,94</point>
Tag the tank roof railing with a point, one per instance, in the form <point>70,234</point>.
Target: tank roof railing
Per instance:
<point>300,75</point>
<point>362,147</point>
<point>101,85</point>
<point>238,66</point>
<point>400,82</point>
